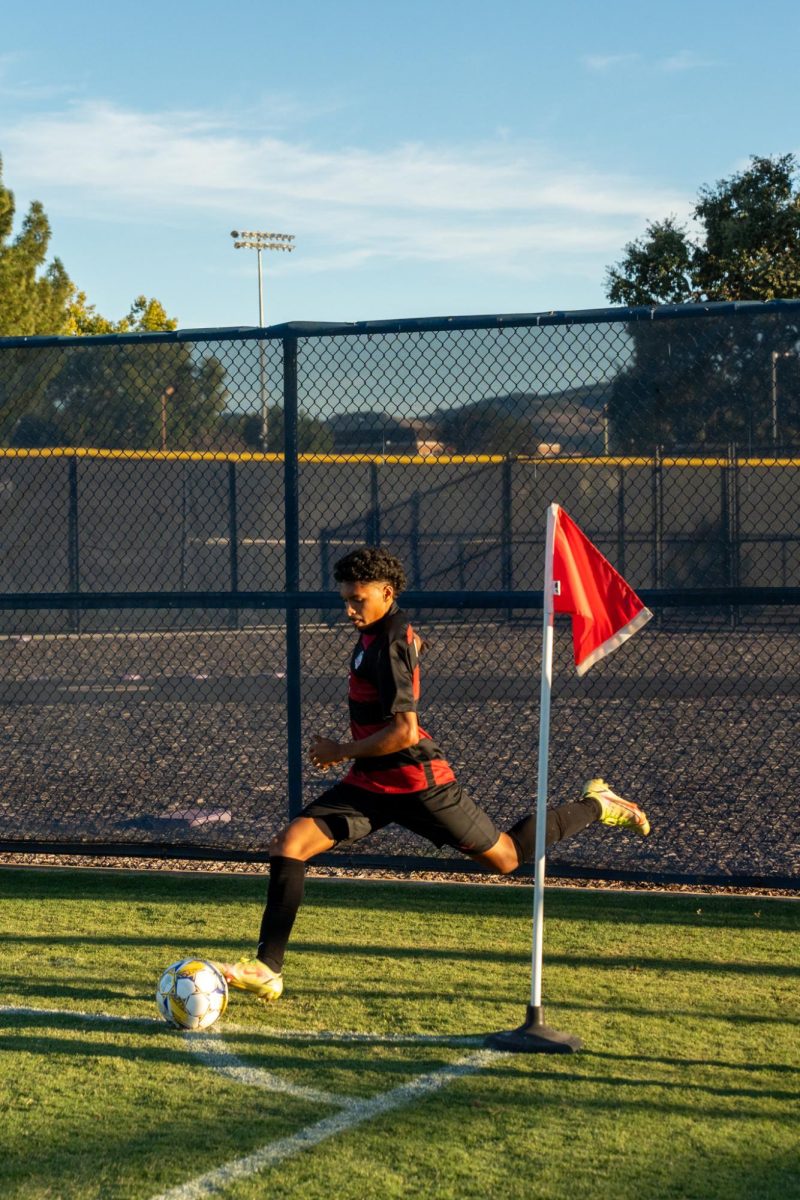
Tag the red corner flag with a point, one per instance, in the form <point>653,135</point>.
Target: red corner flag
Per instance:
<point>605,610</point>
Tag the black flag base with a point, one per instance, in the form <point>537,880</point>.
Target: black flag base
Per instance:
<point>534,1037</point>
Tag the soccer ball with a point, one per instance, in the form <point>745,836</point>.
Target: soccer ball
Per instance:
<point>192,994</point>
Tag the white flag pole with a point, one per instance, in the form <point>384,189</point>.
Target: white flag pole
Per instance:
<point>534,1036</point>
<point>544,752</point>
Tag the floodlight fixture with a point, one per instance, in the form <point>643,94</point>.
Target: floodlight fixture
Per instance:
<point>258,240</point>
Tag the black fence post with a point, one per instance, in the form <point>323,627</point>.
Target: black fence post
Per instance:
<point>73,540</point>
<point>294,709</point>
<point>374,517</point>
<point>233,542</point>
<point>621,532</point>
<point>658,523</point>
<point>416,574</point>
<point>506,536</point>
<point>730,526</point>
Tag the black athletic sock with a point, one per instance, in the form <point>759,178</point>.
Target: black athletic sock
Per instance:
<point>562,822</point>
<point>287,878</point>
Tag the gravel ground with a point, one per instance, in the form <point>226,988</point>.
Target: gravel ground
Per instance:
<point>180,738</point>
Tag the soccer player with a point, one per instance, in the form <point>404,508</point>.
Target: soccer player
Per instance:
<point>397,774</point>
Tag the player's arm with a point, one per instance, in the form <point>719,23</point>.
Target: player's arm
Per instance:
<point>401,732</point>
<point>396,691</point>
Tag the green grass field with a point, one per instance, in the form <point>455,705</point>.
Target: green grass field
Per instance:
<point>368,1077</point>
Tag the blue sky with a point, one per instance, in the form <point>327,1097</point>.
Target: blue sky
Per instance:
<point>431,158</point>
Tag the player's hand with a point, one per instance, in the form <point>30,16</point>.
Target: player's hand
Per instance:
<point>325,753</point>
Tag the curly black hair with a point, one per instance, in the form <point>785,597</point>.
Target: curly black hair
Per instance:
<point>370,564</point>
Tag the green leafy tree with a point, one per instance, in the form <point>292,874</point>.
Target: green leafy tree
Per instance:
<point>49,397</point>
<point>116,396</point>
<point>33,295</point>
<point>486,428</point>
<point>313,435</point>
<point>729,378</point>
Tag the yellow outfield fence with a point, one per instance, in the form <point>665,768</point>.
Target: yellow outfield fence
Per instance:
<point>443,460</point>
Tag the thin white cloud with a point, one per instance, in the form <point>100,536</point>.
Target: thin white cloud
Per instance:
<point>608,62</point>
<point>685,60</point>
<point>501,202</point>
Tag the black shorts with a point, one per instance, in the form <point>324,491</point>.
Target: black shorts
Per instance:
<point>444,815</point>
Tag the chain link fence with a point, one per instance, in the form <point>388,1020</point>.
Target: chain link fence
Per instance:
<point>172,505</point>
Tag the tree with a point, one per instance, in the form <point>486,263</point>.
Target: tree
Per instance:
<point>115,396</point>
<point>49,397</point>
<point>313,435</point>
<point>145,316</point>
<point>486,428</point>
<point>728,378</point>
<point>33,297</point>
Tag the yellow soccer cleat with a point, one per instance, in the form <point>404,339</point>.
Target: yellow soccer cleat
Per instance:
<point>614,810</point>
<point>251,975</point>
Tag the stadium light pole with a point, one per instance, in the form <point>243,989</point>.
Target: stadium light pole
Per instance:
<point>259,240</point>
<point>166,395</point>
<point>775,355</point>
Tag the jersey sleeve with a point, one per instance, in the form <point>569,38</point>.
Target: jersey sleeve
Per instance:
<point>398,675</point>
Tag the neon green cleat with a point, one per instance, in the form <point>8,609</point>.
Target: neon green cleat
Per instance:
<point>251,975</point>
<point>614,810</point>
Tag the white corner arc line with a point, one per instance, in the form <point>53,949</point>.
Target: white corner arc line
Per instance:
<point>390,1039</point>
<point>352,1112</point>
<point>212,1052</point>
<point>306,1035</point>
<point>217,1180</point>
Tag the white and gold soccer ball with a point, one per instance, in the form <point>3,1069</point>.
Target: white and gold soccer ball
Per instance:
<point>192,994</point>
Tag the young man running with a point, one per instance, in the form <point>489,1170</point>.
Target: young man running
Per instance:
<point>397,775</point>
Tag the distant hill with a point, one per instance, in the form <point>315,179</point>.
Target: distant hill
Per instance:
<point>573,418</point>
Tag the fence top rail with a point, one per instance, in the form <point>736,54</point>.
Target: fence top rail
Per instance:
<point>293,330</point>
<point>445,460</point>
<point>710,597</point>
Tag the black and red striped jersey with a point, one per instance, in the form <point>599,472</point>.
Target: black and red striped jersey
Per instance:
<point>384,680</point>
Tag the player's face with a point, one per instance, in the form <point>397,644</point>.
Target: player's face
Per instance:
<point>365,603</point>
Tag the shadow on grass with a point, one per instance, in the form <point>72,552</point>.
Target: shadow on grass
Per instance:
<point>630,1092</point>
<point>717,1064</point>
<point>285,1057</point>
<point>643,908</point>
<point>669,1012</point>
<point>38,1043</point>
<point>623,962</point>
<point>66,990</point>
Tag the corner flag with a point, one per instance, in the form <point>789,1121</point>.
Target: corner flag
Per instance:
<point>605,610</point>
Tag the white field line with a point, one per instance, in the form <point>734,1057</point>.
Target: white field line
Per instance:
<point>216,1181</point>
<point>308,1035</point>
<point>394,1039</point>
<point>212,1052</point>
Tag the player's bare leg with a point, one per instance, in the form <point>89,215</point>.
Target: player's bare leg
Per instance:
<point>502,857</point>
<point>303,839</point>
<point>290,850</point>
